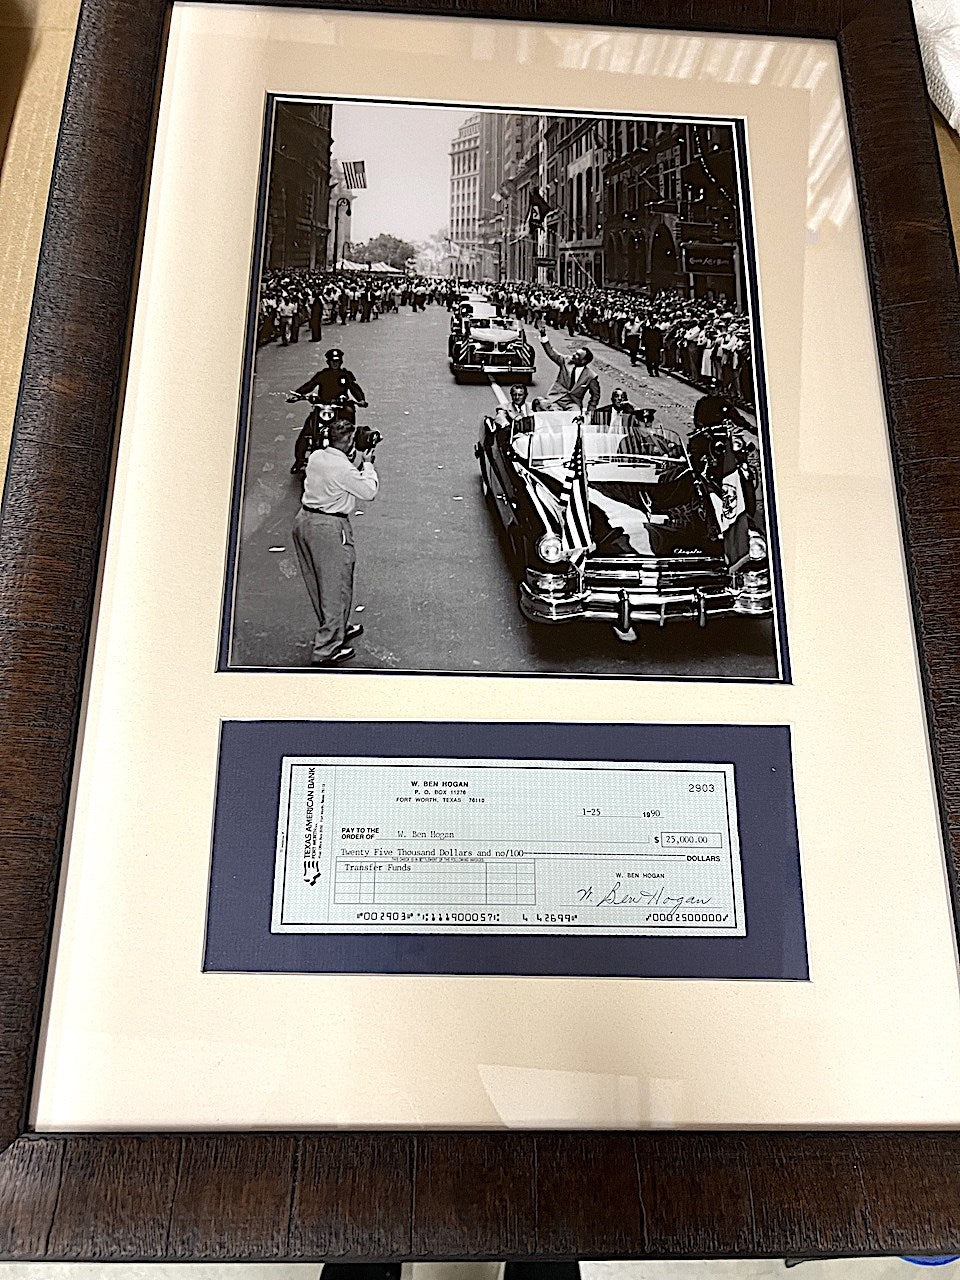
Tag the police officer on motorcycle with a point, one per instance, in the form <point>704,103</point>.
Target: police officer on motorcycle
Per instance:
<point>331,383</point>
<point>333,386</point>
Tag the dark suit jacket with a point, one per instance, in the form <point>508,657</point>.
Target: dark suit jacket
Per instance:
<point>652,339</point>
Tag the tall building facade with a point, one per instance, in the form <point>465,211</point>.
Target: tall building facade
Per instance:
<point>574,164</point>
<point>645,204</point>
<point>551,162</point>
<point>489,200</point>
<point>522,158</point>
<point>297,215</point>
<point>671,217</point>
<point>465,152</point>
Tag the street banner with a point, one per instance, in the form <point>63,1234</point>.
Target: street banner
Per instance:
<point>538,210</point>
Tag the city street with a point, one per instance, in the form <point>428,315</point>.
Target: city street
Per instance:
<point>433,589</point>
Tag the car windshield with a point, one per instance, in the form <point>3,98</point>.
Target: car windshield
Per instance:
<point>550,437</point>
<point>491,322</point>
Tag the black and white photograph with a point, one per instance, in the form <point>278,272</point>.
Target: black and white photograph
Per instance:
<point>503,409</point>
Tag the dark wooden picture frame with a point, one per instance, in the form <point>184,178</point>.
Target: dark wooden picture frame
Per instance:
<point>405,1195</point>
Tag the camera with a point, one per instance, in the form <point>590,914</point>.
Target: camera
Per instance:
<point>366,439</point>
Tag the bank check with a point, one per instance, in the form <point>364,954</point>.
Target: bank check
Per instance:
<point>376,845</point>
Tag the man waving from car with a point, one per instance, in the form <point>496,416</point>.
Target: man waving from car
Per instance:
<point>575,386</point>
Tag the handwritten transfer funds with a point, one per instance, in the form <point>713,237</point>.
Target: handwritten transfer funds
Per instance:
<point>507,846</point>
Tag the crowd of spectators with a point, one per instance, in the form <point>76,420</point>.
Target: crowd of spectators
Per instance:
<point>291,300</point>
<point>705,341</point>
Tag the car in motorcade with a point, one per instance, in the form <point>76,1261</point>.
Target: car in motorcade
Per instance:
<point>483,344</point>
<point>467,307</point>
<point>657,552</point>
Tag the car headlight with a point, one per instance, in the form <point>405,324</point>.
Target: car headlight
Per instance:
<point>550,548</point>
<point>758,546</point>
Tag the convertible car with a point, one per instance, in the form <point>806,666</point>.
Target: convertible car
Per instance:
<point>482,343</point>
<point>657,550</point>
<point>470,309</point>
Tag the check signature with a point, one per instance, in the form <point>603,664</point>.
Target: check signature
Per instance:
<point>616,897</point>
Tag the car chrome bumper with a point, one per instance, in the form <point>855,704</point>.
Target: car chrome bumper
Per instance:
<point>625,607</point>
<point>494,368</point>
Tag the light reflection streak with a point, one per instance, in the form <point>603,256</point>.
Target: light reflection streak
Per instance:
<point>798,65</point>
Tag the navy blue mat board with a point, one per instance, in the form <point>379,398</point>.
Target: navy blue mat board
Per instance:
<point>245,833</point>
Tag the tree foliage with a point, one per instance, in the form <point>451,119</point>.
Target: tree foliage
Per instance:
<point>384,248</point>
<point>434,253</point>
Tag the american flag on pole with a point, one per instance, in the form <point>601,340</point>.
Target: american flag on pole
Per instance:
<point>575,505</point>
<point>354,175</point>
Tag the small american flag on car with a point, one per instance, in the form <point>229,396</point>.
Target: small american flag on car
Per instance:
<point>354,175</point>
<point>575,504</point>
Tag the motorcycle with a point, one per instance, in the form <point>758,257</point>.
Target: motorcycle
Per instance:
<point>315,432</point>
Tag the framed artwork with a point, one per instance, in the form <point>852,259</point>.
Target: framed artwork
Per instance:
<point>479,597</point>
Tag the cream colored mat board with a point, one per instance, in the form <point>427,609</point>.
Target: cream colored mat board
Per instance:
<point>136,1035</point>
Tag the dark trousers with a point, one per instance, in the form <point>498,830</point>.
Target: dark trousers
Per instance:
<point>632,342</point>
<point>316,324</point>
<point>651,357</point>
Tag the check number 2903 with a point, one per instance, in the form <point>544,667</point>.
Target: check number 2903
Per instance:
<point>555,847</point>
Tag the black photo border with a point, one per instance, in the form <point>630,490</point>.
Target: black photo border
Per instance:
<point>737,124</point>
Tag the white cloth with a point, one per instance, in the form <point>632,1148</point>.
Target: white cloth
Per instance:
<point>938,29</point>
<point>333,483</point>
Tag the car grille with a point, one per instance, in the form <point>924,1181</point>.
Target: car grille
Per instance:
<point>650,574</point>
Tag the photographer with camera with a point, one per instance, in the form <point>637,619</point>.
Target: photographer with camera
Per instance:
<point>336,476</point>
